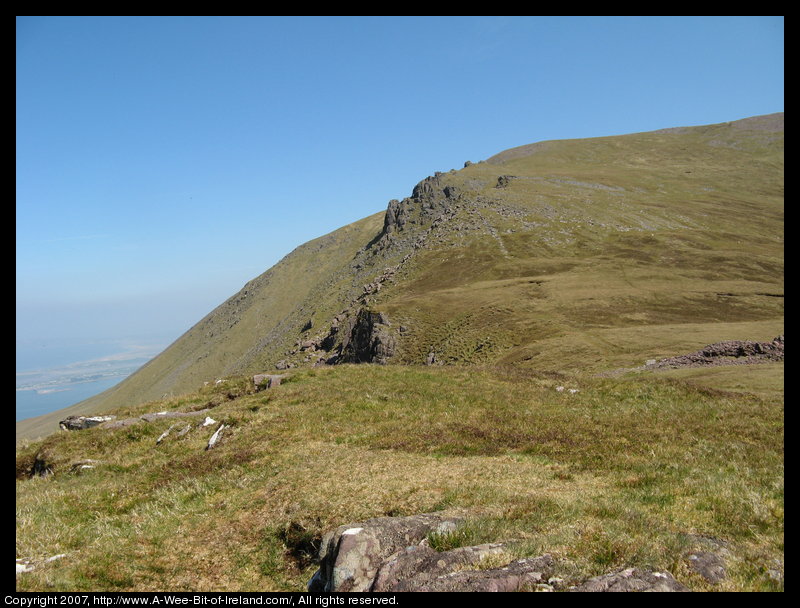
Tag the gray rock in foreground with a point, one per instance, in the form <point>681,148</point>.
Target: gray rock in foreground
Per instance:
<point>351,555</point>
<point>392,554</point>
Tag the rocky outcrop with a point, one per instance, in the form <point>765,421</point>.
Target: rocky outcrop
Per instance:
<point>708,557</point>
<point>159,415</point>
<point>393,554</point>
<point>369,341</point>
<point>730,352</point>
<point>396,216</point>
<point>429,199</point>
<point>504,180</point>
<point>631,579</point>
<point>351,555</point>
<point>79,423</point>
<point>423,564</point>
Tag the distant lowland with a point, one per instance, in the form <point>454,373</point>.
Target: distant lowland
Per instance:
<point>53,387</point>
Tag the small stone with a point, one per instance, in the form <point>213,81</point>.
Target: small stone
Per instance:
<point>23,567</point>
<point>215,437</point>
<point>164,434</point>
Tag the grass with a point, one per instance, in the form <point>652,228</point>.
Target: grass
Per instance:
<point>621,473</point>
<point>598,255</point>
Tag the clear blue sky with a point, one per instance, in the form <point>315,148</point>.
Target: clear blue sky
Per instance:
<point>164,162</point>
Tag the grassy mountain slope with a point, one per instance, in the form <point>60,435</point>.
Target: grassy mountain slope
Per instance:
<point>516,279</point>
<point>562,255</point>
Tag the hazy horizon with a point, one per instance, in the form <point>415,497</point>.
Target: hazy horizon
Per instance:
<point>50,378</point>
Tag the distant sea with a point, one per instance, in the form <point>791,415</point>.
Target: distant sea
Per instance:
<point>52,377</point>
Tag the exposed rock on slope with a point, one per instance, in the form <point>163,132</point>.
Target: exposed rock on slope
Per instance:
<point>351,555</point>
<point>370,340</point>
<point>730,352</point>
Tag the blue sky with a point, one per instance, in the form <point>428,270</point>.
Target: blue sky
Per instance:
<point>164,162</point>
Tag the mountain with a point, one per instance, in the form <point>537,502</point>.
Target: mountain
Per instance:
<point>570,255</point>
<point>557,369</point>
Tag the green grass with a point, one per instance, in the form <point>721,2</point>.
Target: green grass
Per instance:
<point>600,254</point>
<point>618,474</point>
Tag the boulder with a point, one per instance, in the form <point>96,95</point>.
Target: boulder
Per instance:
<point>504,180</point>
<point>351,555</point>
<point>262,381</point>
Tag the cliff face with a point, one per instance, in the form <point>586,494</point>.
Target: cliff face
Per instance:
<point>558,255</point>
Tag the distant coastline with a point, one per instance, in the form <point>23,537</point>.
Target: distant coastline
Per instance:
<point>45,390</point>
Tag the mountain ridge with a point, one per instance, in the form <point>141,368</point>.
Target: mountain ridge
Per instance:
<point>559,254</point>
